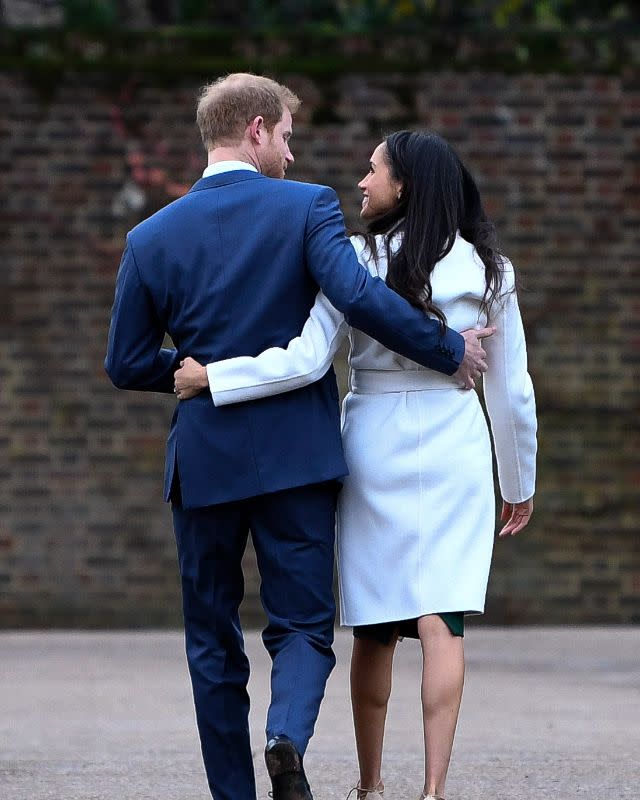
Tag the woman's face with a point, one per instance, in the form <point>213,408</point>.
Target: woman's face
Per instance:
<point>381,192</point>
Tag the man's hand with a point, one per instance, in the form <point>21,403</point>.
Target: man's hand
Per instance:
<point>473,364</point>
<point>190,379</point>
<point>516,515</point>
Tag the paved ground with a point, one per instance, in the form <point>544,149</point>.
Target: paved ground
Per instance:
<point>547,713</point>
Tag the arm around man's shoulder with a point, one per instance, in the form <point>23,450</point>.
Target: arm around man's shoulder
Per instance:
<point>366,301</point>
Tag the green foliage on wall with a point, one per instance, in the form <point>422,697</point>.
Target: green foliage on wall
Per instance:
<point>91,14</point>
<point>359,16</point>
<point>170,53</point>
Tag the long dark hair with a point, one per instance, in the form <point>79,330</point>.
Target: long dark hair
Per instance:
<point>439,197</point>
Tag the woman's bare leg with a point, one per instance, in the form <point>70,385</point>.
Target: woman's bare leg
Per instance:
<point>371,667</point>
<point>442,682</point>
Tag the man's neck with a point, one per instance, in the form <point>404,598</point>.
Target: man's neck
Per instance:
<point>231,154</point>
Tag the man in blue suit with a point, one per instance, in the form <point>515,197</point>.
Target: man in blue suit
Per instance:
<point>232,268</point>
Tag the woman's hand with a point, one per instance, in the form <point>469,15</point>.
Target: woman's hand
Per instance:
<point>516,515</point>
<point>190,379</point>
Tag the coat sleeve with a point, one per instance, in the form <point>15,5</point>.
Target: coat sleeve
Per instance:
<point>305,360</point>
<point>135,357</point>
<point>366,301</point>
<point>510,399</point>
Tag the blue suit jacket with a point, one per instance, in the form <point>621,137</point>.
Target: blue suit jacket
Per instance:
<point>230,269</point>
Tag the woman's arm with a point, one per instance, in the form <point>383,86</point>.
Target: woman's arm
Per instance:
<point>511,405</point>
<point>305,360</point>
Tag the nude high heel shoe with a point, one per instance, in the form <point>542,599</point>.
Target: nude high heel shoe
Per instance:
<point>424,796</point>
<point>367,794</point>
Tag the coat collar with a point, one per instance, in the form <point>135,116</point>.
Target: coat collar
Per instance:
<point>226,178</point>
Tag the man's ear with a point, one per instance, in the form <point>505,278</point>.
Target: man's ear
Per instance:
<point>256,130</point>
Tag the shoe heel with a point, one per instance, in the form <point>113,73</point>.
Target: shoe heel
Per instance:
<point>282,757</point>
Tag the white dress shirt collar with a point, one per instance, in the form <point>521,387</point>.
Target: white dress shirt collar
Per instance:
<point>226,166</point>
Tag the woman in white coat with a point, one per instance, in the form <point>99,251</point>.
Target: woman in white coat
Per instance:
<point>417,511</point>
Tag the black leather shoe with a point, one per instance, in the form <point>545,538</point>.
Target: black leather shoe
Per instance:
<point>284,765</point>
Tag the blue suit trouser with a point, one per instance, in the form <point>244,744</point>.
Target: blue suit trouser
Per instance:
<point>293,536</point>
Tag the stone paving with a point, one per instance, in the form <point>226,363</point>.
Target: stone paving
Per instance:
<point>547,713</point>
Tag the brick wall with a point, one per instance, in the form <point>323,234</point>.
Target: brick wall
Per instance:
<point>84,536</point>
